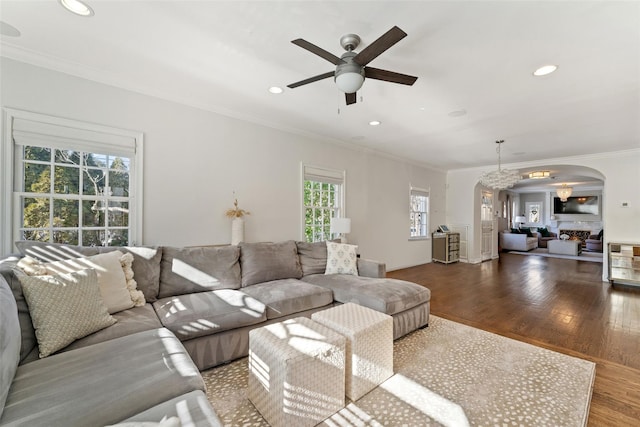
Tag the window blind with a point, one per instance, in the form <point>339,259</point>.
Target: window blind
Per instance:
<point>63,137</point>
<point>318,174</point>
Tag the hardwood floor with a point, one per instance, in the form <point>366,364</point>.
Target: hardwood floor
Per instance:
<point>554,303</point>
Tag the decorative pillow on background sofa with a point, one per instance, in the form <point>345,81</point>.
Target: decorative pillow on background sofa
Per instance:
<point>146,264</point>
<point>118,292</point>
<point>342,259</point>
<point>544,232</point>
<point>263,262</point>
<point>64,308</point>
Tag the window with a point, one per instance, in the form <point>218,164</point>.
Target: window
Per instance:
<point>533,212</point>
<point>419,213</point>
<point>323,199</point>
<point>72,182</point>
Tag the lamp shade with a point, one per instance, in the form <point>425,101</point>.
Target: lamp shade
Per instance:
<point>521,219</point>
<point>340,225</point>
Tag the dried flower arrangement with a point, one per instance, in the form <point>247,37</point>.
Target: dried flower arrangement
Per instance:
<point>236,212</point>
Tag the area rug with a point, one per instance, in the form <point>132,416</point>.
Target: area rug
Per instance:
<point>584,256</point>
<point>449,375</point>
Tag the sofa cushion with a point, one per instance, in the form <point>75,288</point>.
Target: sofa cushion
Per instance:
<point>28,340</point>
<point>389,296</point>
<point>105,383</point>
<point>9,340</point>
<point>263,262</point>
<point>289,296</point>
<point>342,259</point>
<point>64,307</point>
<point>205,313</point>
<point>114,286</point>
<point>313,257</point>
<point>187,270</point>
<point>146,260</point>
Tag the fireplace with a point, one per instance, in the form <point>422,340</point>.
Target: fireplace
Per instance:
<point>581,235</point>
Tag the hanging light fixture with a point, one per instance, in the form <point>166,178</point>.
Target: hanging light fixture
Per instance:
<point>502,178</point>
<point>564,192</point>
<point>539,174</point>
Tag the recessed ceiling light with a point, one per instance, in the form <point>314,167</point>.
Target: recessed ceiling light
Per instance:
<point>374,122</point>
<point>77,7</point>
<point>275,89</point>
<point>544,70</point>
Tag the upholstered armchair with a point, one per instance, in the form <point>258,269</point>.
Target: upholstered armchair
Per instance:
<point>594,242</point>
<point>545,236</point>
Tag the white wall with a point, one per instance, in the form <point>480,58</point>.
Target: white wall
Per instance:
<point>621,171</point>
<point>195,159</point>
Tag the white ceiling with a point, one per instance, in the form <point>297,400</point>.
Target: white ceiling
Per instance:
<point>476,56</point>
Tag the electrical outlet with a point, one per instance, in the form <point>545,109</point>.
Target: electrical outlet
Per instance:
<point>624,204</point>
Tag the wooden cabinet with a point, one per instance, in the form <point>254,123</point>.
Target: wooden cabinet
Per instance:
<point>445,247</point>
<point>624,263</point>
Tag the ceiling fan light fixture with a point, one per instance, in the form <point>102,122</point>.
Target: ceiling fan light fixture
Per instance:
<point>275,90</point>
<point>349,82</point>
<point>77,7</point>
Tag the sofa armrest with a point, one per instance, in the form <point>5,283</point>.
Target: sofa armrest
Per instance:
<point>371,268</point>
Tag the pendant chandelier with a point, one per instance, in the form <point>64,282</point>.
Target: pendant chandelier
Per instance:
<point>564,192</point>
<point>500,179</point>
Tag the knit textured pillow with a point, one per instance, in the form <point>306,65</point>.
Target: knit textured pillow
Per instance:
<point>341,259</point>
<point>64,308</point>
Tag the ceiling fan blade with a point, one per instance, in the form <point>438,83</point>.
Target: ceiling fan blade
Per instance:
<point>389,76</point>
<point>383,43</point>
<point>318,51</point>
<point>350,98</point>
<point>311,79</point>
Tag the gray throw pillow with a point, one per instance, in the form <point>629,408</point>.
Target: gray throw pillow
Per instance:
<point>313,257</point>
<point>199,269</point>
<point>263,262</point>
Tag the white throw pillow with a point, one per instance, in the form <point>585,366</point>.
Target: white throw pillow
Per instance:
<point>115,276</point>
<point>64,307</point>
<point>341,259</point>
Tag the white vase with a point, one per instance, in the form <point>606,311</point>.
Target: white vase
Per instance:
<point>237,231</point>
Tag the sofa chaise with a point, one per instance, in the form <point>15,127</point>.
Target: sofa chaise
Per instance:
<point>199,305</point>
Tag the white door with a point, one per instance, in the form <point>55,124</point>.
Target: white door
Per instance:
<point>486,222</point>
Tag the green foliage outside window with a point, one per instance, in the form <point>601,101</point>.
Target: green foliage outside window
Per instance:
<point>86,204</point>
<point>321,203</point>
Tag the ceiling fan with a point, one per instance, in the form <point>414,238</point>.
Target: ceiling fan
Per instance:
<point>351,67</point>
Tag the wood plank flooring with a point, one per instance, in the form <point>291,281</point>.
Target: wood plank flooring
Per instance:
<point>554,303</point>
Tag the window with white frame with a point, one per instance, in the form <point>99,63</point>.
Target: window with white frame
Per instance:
<point>73,182</point>
<point>323,199</point>
<point>419,213</point>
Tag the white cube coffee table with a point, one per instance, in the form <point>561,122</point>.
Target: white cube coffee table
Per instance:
<point>369,348</point>
<point>564,247</point>
<point>296,372</point>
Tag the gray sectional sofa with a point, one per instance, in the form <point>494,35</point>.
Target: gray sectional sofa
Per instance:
<point>201,303</point>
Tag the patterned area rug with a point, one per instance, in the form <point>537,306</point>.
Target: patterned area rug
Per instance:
<point>449,375</point>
